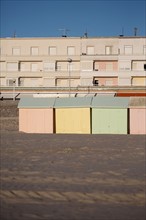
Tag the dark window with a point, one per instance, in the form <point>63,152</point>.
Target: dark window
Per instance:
<point>95,82</point>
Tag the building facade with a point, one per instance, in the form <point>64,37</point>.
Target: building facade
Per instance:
<point>73,61</point>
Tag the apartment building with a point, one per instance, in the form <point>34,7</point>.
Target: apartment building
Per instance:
<point>73,61</point>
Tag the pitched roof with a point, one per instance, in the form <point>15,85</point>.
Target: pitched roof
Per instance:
<point>109,101</point>
<point>137,102</point>
<point>77,102</point>
<point>31,102</point>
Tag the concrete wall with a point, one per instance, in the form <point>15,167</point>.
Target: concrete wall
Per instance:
<point>29,58</point>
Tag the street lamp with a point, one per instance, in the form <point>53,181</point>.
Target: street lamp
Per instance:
<point>14,81</point>
<point>69,82</point>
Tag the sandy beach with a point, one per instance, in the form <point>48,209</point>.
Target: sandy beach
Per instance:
<point>70,177</point>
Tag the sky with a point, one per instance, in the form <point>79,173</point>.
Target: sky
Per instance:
<point>53,18</point>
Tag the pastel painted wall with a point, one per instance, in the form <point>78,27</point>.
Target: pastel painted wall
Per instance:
<point>138,121</point>
<point>139,81</point>
<point>106,65</point>
<point>73,120</point>
<point>109,121</point>
<point>107,81</point>
<point>36,120</point>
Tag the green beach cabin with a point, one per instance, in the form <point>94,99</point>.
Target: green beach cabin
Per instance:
<point>109,115</point>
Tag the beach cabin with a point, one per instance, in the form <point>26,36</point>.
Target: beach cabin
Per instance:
<point>36,115</point>
<point>109,115</point>
<point>137,106</point>
<point>72,115</point>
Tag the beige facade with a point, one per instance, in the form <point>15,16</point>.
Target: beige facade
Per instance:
<point>100,61</point>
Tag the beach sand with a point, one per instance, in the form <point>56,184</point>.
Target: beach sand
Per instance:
<point>70,177</point>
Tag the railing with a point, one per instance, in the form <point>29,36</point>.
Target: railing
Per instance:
<point>78,88</point>
<point>11,93</point>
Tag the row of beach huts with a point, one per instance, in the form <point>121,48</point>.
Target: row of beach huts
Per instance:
<point>83,115</point>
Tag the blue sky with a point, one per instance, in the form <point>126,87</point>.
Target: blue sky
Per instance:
<point>44,18</point>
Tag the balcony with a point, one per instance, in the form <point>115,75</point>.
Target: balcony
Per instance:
<point>99,73</point>
<point>85,56</point>
<point>61,73</point>
<point>65,73</point>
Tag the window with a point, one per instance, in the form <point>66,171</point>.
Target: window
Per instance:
<point>138,65</point>
<point>95,81</point>
<point>34,50</point>
<point>12,66</point>
<point>70,50</point>
<point>11,82</point>
<point>61,65</point>
<point>21,81</point>
<point>76,66</point>
<point>96,66</point>
<point>58,67</point>
<point>109,66</point>
<point>16,51</point>
<point>22,67</point>
<point>125,65</point>
<point>134,65</point>
<point>109,82</point>
<point>2,66</point>
<point>128,49</point>
<point>108,50</point>
<point>34,82</point>
<point>90,50</point>
<point>48,66</point>
<point>34,67</point>
<point>52,50</point>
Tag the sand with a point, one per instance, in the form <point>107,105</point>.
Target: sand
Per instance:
<point>70,177</point>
